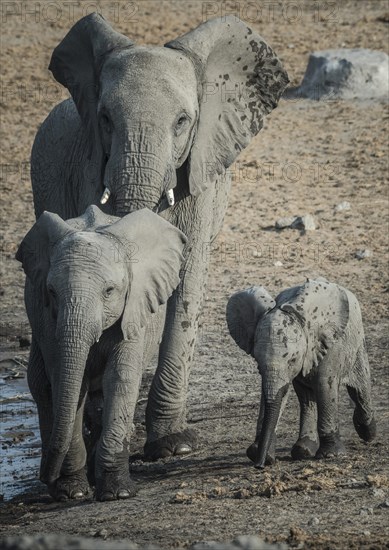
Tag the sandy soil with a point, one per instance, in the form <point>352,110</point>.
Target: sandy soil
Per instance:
<point>310,157</point>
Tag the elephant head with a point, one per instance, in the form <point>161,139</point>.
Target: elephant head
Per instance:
<point>148,111</point>
<point>91,272</point>
<point>287,336</point>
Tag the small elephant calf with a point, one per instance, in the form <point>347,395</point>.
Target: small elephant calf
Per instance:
<point>311,335</point>
<point>95,293</point>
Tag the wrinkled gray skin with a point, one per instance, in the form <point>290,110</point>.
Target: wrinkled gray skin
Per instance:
<point>310,335</point>
<point>143,120</point>
<point>95,291</point>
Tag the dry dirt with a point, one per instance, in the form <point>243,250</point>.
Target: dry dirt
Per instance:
<point>310,157</point>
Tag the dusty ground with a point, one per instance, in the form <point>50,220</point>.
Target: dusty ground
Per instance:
<point>309,157</point>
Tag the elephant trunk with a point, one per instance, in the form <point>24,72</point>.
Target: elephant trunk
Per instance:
<point>271,416</point>
<point>139,177</point>
<point>75,339</point>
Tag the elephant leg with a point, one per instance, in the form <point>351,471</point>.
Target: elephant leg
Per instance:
<point>40,389</point>
<point>307,443</point>
<point>121,383</point>
<point>167,433</point>
<point>166,407</point>
<point>360,393</point>
<point>252,451</point>
<point>327,392</point>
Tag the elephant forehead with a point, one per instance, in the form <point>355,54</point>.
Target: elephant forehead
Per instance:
<point>145,69</point>
<point>278,331</point>
<point>88,250</point>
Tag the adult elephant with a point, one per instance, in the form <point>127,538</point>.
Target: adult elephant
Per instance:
<point>144,121</point>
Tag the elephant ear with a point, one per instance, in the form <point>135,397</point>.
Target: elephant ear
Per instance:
<point>77,60</point>
<point>323,311</point>
<point>35,249</point>
<point>93,218</point>
<point>152,248</point>
<point>241,80</point>
<point>244,310</point>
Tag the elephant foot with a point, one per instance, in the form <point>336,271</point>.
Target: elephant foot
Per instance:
<point>74,486</point>
<point>330,446</point>
<point>177,444</point>
<point>367,432</point>
<point>252,453</point>
<point>115,486</point>
<point>304,448</point>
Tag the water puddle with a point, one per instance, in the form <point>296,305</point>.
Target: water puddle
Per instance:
<point>19,435</point>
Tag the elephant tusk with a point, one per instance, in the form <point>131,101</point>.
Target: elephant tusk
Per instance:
<point>170,197</point>
<point>105,196</point>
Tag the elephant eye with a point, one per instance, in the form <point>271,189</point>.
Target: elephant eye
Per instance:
<point>105,123</point>
<point>108,291</point>
<point>52,292</point>
<point>181,122</point>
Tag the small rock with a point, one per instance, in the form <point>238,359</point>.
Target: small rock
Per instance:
<point>314,521</point>
<point>379,493</point>
<point>282,223</point>
<point>345,205</point>
<point>366,511</point>
<point>384,504</point>
<point>367,533</point>
<point>306,222</point>
<point>278,263</point>
<point>101,533</point>
<point>362,254</point>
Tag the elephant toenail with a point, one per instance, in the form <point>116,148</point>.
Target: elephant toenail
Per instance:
<point>123,494</point>
<point>183,449</point>
<point>77,494</point>
<point>107,496</point>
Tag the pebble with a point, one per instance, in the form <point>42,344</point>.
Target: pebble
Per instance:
<point>362,254</point>
<point>345,205</point>
<point>367,533</point>
<point>379,493</point>
<point>306,222</point>
<point>314,521</point>
<point>282,223</point>
<point>278,263</point>
<point>366,511</point>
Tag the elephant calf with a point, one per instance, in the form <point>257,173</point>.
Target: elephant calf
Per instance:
<point>93,283</point>
<point>311,335</point>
